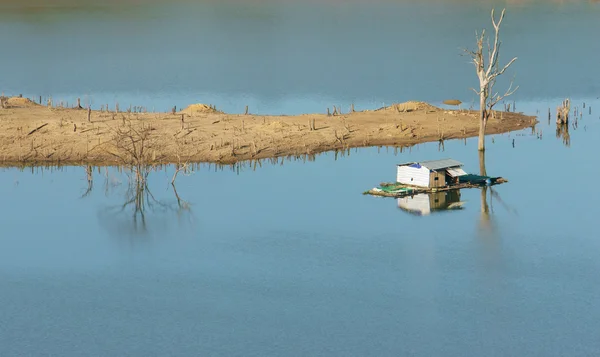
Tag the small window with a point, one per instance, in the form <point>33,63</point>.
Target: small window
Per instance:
<point>436,178</point>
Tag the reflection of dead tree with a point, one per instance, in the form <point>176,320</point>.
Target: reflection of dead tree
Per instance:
<point>182,164</point>
<point>110,181</point>
<point>562,131</point>
<point>494,194</point>
<point>90,180</point>
<point>488,70</point>
<point>485,209</point>
<point>182,204</point>
<point>139,202</point>
<point>140,198</point>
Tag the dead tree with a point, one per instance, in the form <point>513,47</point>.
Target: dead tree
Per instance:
<point>488,70</point>
<point>562,112</point>
<point>135,146</point>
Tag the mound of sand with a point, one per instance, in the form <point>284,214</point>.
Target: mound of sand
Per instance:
<point>410,106</point>
<point>277,124</point>
<point>198,108</point>
<point>21,102</point>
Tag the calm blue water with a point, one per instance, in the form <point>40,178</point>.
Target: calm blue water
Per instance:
<point>292,56</point>
<point>291,259</point>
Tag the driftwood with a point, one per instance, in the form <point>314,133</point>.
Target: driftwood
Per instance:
<point>36,129</point>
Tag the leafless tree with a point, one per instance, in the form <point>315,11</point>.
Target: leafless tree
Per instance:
<point>135,146</point>
<point>488,70</point>
<point>562,112</point>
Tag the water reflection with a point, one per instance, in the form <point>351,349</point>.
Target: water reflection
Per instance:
<point>562,132</point>
<point>89,172</point>
<point>485,222</point>
<point>424,204</point>
<point>139,212</point>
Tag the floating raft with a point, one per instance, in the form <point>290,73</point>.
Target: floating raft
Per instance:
<point>390,189</point>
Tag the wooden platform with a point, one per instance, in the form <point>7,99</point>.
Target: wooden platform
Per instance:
<point>401,190</point>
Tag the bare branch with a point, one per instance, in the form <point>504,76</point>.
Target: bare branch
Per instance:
<point>497,98</point>
<point>497,73</point>
<point>493,59</point>
<point>487,72</point>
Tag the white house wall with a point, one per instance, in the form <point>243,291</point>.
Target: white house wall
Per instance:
<point>413,176</point>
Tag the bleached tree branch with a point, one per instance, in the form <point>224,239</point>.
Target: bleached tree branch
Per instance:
<point>487,70</point>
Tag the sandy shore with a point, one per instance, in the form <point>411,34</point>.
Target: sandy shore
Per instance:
<point>36,134</point>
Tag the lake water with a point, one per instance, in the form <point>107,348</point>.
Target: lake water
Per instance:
<point>289,258</point>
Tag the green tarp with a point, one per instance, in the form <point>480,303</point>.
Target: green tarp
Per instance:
<point>393,188</point>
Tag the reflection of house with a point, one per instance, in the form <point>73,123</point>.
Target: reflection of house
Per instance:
<point>425,203</point>
<point>434,173</point>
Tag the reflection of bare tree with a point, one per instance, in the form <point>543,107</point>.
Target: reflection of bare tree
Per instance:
<point>485,221</point>
<point>131,216</point>
<point>562,131</point>
<point>90,180</point>
<point>182,205</point>
<point>139,199</point>
<point>441,145</point>
<point>139,202</point>
<point>487,208</point>
<point>494,194</point>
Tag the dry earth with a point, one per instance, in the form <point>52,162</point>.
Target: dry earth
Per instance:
<point>36,134</point>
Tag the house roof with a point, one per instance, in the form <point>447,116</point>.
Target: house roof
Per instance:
<point>437,164</point>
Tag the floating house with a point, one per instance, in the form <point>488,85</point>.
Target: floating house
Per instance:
<point>413,178</point>
<point>430,174</point>
<point>423,204</point>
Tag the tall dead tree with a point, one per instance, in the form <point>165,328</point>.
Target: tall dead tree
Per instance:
<point>488,70</point>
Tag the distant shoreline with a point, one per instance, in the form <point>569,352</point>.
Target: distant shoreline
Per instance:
<point>32,134</point>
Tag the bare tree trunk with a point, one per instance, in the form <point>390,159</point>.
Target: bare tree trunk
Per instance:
<point>482,120</point>
<point>482,170</point>
<point>487,70</point>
